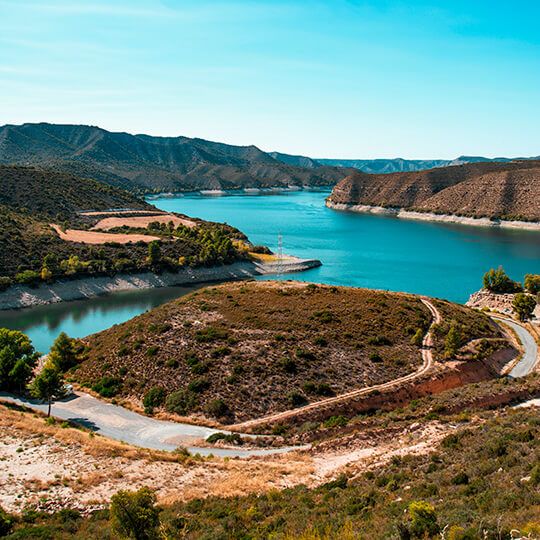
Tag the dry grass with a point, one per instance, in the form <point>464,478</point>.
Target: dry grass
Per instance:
<point>108,223</point>
<point>92,237</point>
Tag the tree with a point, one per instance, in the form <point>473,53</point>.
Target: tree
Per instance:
<point>532,283</point>
<point>48,383</point>
<point>497,281</point>
<point>418,338</point>
<point>452,342</point>
<point>523,304</point>
<point>154,252</point>
<point>17,360</point>
<point>63,353</point>
<point>6,522</point>
<point>134,515</point>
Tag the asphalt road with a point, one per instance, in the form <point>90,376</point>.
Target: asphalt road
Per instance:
<point>530,349</point>
<point>127,426</point>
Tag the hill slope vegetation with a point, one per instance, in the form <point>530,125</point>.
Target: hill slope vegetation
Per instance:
<point>485,189</point>
<point>142,163</point>
<point>263,347</point>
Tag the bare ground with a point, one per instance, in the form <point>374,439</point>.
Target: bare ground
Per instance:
<point>93,237</point>
<point>68,468</point>
<point>108,223</point>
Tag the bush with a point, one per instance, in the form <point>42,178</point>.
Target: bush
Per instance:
<point>154,398</point>
<point>375,357</point>
<point>181,402</point>
<point>265,250</point>
<point>216,407</point>
<point>28,277</point>
<point>378,340</point>
<point>5,283</point>
<point>199,385</point>
<point>288,365</point>
<point>134,515</point>
<point>152,350</point>
<point>335,421</point>
<point>424,519</point>
<point>418,338</point>
<point>108,387</point>
<point>296,398</point>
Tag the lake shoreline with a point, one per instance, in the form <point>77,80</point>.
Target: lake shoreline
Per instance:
<point>23,296</point>
<point>430,216</point>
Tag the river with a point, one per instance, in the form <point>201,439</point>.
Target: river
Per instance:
<point>441,260</point>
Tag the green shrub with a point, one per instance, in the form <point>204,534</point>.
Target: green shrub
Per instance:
<point>5,283</point>
<point>378,340</point>
<point>27,277</point>
<point>152,350</point>
<point>108,387</point>
<point>424,519</point>
<point>296,399</point>
<point>200,368</point>
<point>335,421</point>
<point>199,385</point>
<point>218,352</point>
<point>217,408</point>
<point>374,356</point>
<point>154,398</point>
<point>181,402</point>
<point>288,365</point>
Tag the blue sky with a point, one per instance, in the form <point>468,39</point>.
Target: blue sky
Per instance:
<point>348,79</point>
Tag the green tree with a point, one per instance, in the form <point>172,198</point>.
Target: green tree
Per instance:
<point>46,274</point>
<point>63,353</point>
<point>6,522</point>
<point>497,281</point>
<point>523,304</point>
<point>418,338</point>
<point>532,283</point>
<point>452,342</point>
<point>154,252</point>
<point>17,360</point>
<point>134,515</point>
<point>48,383</point>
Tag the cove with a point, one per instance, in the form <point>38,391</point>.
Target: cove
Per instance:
<point>445,261</point>
<point>435,259</point>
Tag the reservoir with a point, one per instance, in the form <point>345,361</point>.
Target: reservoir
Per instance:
<point>441,260</point>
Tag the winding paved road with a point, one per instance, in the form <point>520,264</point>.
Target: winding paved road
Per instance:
<point>530,349</point>
<point>123,425</point>
<point>427,357</point>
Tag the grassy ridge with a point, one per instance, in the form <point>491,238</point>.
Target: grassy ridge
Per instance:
<point>262,347</point>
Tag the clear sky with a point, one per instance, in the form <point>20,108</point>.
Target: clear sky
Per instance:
<point>335,78</point>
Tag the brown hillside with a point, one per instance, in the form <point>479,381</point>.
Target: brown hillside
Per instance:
<point>487,189</point>
<point>263,347</point>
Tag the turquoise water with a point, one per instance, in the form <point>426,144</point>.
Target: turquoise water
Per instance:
<point>445,261</point>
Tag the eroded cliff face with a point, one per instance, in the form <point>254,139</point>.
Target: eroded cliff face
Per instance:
<point>495,190</point>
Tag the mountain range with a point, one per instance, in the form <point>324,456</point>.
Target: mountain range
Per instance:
<point>388,165</point>
<point>143,163</point>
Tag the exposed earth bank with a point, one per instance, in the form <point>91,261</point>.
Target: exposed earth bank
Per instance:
<point>21,296</point>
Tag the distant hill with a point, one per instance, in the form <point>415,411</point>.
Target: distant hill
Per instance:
<point>508,190</point>
<point>142,163</point>
<point>50,193</point>
<point>385,165</point>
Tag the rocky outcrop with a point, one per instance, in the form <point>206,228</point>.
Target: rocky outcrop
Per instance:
<point>503,191</point>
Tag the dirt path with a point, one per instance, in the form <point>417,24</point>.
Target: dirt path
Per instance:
<point>427,357</point>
